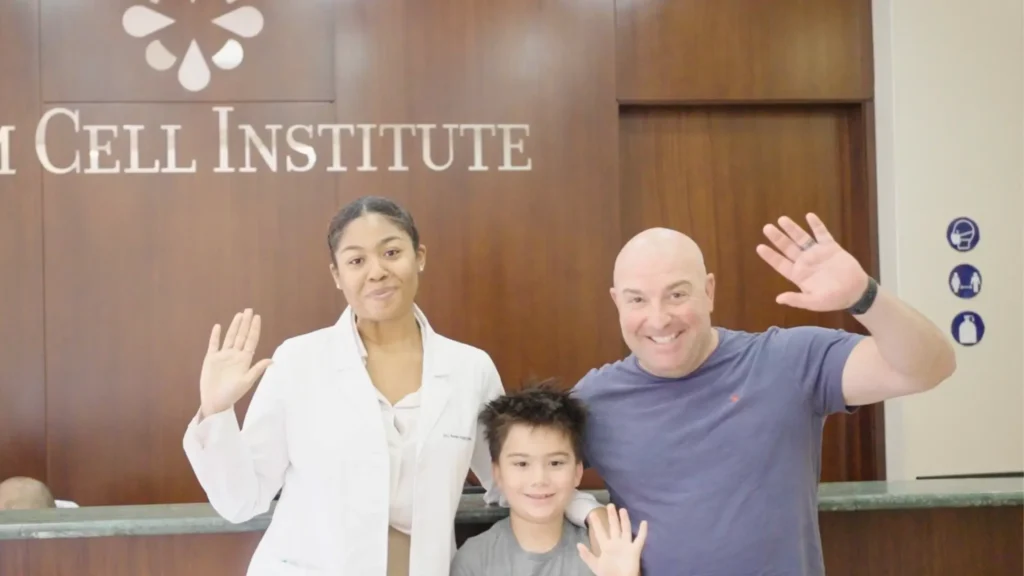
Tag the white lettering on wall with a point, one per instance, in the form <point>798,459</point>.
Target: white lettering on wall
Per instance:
<point>396,153</point>
<point>428,157</point>
<point>335,129</point>
<point>172,152</point>
<point>224,148</point>
<point>5,151</point>
<point>301,147</point>
<point>362,147</point>
<point>366,166</point>
<point>41,132</point>
<point>95,147</point>
<point>134,166</point>
<point>508,146</point>
<point>100,145</point>
<point>478,144</point>
<point>269,154</point>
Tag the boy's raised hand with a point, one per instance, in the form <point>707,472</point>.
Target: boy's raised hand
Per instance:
<point>619,552</point>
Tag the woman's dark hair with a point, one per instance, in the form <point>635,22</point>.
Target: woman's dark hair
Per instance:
<point>370,205</point>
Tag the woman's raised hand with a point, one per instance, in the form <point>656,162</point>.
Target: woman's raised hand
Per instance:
<point>228,372</point>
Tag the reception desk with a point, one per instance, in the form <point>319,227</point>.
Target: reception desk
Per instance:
<point>919,528</point>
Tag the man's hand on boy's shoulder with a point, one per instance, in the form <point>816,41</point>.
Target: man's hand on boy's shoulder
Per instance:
<point>615,553</point>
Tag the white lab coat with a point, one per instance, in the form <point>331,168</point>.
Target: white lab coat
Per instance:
<point>314,427</point>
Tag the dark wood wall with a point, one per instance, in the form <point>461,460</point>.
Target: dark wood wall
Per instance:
<point>713,117</point>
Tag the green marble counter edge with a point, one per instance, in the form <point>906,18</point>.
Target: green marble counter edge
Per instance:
<point>151,520</point>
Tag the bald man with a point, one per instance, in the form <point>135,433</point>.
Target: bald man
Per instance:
<point>714,436</point>
<point>21,493</point>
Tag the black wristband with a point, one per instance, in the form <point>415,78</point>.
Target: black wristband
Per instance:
<point>866,300</point>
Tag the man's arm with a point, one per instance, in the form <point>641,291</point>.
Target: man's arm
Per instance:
<point>583,509</point>
<point>905,354</point>
<point>591,511</point>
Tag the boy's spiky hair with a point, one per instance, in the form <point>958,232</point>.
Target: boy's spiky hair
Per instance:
<point>538,403</point>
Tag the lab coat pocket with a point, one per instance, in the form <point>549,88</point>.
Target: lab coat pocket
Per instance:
<point>456,447</point>
<point>458,430</point>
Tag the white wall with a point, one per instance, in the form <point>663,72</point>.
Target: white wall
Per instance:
<point>949,89</point>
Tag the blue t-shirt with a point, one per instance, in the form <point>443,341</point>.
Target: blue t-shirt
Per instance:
<point>724,463</point>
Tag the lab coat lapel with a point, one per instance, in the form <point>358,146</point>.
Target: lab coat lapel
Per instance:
<point>435,389</point>
<point>346,353</point>
<point>350,373</point>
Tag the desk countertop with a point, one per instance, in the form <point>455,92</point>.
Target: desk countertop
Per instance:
<point>159,519</point>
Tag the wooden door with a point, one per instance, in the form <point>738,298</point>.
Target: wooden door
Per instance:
<point>720,174</point>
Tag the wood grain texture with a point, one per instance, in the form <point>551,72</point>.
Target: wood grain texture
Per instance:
<point>518,263</point>
<point>744,50</point>
<point>925,542</point>
<point>182,555</point>
<point>22,374</point>
<point>860,235</point>
<point>138,269</point>
<point>138,266</point>
<point>721,174</point>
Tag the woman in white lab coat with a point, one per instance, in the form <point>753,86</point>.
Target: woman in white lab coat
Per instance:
<point>368,427</point>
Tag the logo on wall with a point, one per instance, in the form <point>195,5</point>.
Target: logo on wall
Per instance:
<point>141,21</point>
<point>90,145</point>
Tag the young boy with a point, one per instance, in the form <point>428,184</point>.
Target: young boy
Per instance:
<point>535,438</point>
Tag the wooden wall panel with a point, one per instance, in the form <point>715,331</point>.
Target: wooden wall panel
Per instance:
<point>225,554</point>
<point>744,50</point>
<point>860,235</point>
<point>22,392</point>
<point>924,542</point>
<point>518,263</point>
<point>720,175</point>
<point>89,55</point>
<point>139,268</point>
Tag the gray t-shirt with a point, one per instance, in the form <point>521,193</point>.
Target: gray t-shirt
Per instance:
<point>496,552</point>
<point>724,463</point>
